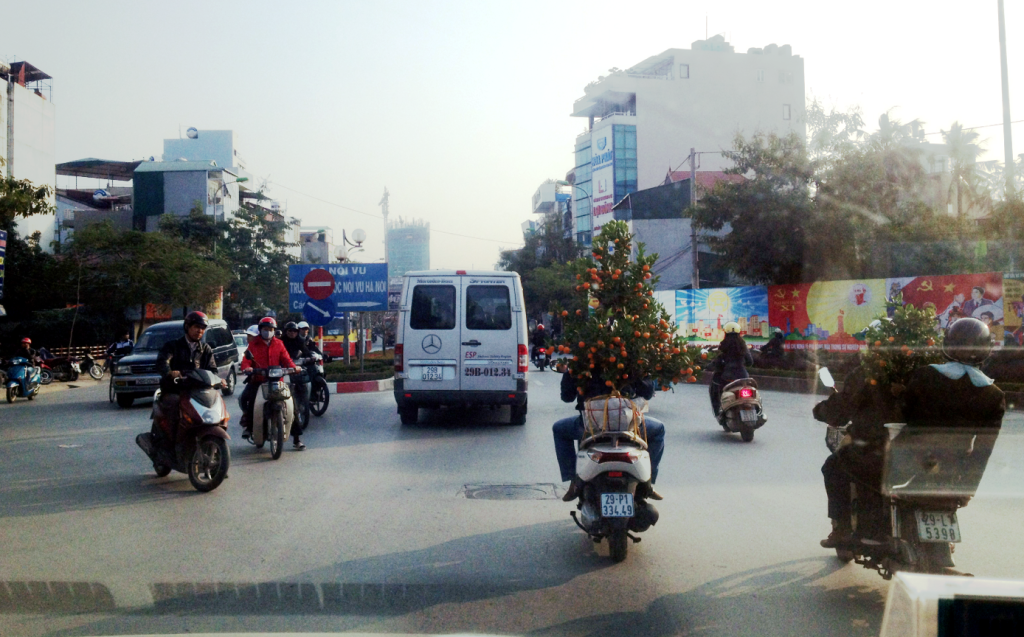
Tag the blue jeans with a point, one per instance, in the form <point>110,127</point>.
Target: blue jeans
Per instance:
<point>569,431</point>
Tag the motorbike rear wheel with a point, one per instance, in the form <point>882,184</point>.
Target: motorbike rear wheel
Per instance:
<point>618,545</point>
<point>208,465</point>
<point>319,397</point>
<point>276,436</point>
<point>162,470</point>
<point>45,376</point>
<point>747,433</point>
<point>96,371</point>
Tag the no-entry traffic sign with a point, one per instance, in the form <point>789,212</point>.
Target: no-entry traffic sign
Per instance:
<point>318,284</point>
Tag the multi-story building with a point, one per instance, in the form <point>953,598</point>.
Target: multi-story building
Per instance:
<point>642,122</point>
<point>27,121</point>
<point>177,187</point>
<point>553,197</point>
<point>204,145</point>
<point>408,244</point>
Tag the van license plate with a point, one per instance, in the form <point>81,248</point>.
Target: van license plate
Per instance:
<point>433,372</point>
<point>937,526</point>
<point>748,415</point>
<point>617,505</point>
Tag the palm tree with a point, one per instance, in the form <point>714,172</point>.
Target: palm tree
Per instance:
<point>964,150</point>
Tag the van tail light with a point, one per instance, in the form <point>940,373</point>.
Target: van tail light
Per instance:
<point>746,392</point>
<point>399,350</point>
<point>614,456</point>
<point>524,359</point>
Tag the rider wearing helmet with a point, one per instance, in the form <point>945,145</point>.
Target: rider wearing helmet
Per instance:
<point>177,357</point>
<point>539,339</point>
<point>731,363</point>
<point>25,350</point>
<point>308,339</point>
<point>253,331</point>
<point>957,393</point>
<point>264,351</point>
<point>297,349</point>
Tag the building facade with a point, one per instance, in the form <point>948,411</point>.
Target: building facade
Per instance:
<point>408,244</point>
<point>554,197</point>
<point>27,140</point>
<point>642,122</point>
<point>176,187</point>
<point>204,145</point>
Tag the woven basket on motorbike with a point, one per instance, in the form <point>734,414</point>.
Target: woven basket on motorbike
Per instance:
<point>613,413</point>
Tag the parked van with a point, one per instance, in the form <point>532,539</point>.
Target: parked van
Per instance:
<point>136,377</point>
<point>461,340</point>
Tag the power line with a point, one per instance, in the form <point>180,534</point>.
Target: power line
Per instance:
<point>976,127</point>
<point>381,217</point>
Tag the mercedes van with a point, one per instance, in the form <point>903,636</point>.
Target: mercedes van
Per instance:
<point>461,340</point>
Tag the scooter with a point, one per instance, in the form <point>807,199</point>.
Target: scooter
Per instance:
<point>741,409</point>
<point>92,367</point>
<point>540,358</point>
<point>60,370</point>
<point>928,474</point>
<point>273,410</point>
<point>612,462</point>
<point>319,394</point>
<point>23,379</point>
<point>200,443</point>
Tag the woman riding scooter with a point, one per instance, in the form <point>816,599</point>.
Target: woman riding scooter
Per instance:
<point>731,364</point>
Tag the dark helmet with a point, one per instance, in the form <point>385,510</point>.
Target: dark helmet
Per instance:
<point>268,321</point>
<point>968,340</point>
<point>290,325</point>
<point>196,318</point>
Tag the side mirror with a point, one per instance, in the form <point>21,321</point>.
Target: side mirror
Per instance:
<point>826,378</point>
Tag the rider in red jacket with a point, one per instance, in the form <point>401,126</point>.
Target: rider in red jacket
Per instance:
<point>266,351</point>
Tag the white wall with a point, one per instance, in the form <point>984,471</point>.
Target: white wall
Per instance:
<point>34,153</point>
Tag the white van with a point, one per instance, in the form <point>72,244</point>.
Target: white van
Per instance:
<point>461,340</point>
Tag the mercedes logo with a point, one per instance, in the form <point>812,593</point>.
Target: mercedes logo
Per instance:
<point>431,344</point>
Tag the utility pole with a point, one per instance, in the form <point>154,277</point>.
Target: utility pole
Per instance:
<point>1007,133</point>
<point>695,280</point>
<point>384,210</point>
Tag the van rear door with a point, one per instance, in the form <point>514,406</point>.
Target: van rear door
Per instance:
<point>489,335</point>
<point>431,343</point>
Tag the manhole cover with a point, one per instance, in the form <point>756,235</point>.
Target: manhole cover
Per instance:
<point>541,491</point>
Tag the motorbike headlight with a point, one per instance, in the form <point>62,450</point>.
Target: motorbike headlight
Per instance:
<point>277,372</point>
<point>123,369</point>
<point>211,416</point>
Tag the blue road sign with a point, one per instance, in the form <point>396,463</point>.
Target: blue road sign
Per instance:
<point>318,312</point>
<point>359,287</point>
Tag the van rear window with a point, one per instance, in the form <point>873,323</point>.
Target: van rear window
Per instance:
<point>488,308</point>
<point>433,307</point>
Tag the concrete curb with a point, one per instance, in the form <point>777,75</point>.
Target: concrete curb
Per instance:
<point>363,386</point>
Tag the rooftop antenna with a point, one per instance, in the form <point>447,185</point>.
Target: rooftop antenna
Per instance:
<point>705,26</point>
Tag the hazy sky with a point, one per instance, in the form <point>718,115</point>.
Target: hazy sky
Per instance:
<point>462,108</point>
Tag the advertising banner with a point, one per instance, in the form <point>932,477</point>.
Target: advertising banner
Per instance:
<point>701,314</point>
<point>955,295</point>
<point>602,175</point>
<point>215,309</point>
<point>826,315</point>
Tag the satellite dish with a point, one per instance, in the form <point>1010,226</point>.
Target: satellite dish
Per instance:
<point>151,158</point>
<point>192,132</point>
<point>358,236</point>
<point>100,194</point>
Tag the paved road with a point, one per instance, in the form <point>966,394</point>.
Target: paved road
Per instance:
<point>371,528</point>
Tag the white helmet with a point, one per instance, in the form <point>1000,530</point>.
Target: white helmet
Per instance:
<point>303,325</point>
<point>253,331</point>
<point>732,327</point>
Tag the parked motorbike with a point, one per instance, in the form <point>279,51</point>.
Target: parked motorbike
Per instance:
<point>319,393</point>
<point>92,367</point>
<point>611,464</point>
<point>273,410</point>
<point>200,447</point>
<point>741,409</point>
<point>928,475</point>
<point>62,370</point>
<point>45,374</point>
<point>23,379</point>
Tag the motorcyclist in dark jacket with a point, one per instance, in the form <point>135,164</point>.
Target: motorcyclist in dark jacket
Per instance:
<point>175,358</point>
<point>308,339</point>
<point>731,363</point>
<point>539,340</point>
<point>296,346</point>
<point>569,431</point>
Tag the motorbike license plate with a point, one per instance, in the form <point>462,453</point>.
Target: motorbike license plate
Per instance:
<point>617,505</point>
<point>937,526</point>
<point>748,415</point>
<point>433,372</point>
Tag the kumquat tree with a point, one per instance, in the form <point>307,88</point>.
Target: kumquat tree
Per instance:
<point>615,330</point>
<point>898,346</point>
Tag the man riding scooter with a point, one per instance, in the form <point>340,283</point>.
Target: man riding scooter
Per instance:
<point>177,357</point>
<point>266,351</point>
<point>539,340</point>
<point>296,347</point>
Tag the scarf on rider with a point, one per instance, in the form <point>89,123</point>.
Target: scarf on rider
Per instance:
<point>955,371</point>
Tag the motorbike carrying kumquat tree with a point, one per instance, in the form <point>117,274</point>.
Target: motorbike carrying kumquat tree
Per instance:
<point>615,330</point>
